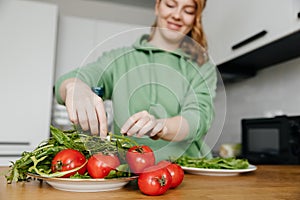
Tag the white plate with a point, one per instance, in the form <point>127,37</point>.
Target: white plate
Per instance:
<point>218,172</point>
<point>85,185</point>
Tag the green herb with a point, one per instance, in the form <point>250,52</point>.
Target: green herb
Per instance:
<point>79,176</point>
<point>121,171</point>
<point>214,163</point>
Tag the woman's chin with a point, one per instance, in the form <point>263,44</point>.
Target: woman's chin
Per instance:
<point>173,35</point>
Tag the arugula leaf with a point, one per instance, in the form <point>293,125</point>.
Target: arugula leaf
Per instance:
<point>121,171</point>
<point>214,163</point>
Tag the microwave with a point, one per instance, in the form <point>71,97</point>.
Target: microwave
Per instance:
<point>273,140</point>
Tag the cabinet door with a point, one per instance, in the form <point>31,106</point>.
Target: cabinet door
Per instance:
<point>76,39</point>
<point>296,14</point>
<point>28,40</point>
<point>111,35</point>
<point>235,27</point>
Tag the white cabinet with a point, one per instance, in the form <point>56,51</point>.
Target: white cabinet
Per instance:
<point>82,40</point>
<point>296,14</point>
<point>76,38</point>
<point>234,27</point>
<point>28,43</point>
<point>110,35</point>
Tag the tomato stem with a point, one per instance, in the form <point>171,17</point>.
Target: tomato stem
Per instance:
<point>162,180</point>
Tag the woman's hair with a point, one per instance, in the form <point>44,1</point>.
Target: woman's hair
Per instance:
<point>195,44</point>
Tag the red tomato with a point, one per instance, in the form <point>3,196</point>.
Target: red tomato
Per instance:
<point>154,181</point>
<point>139,158</point>
<point>68,159</point>
<point>175,170</point>
<point>99,165</point>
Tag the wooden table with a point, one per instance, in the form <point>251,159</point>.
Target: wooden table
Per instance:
<point>267,182</point>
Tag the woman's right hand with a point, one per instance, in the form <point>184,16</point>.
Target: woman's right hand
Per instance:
<point>84,107</point>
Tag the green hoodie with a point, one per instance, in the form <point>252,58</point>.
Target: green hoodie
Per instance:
<point>166,84</point>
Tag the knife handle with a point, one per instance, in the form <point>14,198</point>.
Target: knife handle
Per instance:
<point>98,90</point>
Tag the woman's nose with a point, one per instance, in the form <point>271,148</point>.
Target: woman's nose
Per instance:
<point>176,14</point>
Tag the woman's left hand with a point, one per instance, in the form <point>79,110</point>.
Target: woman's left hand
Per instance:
<point>143,123</point>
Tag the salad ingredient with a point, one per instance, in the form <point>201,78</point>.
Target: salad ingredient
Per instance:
<point>139,158</point>
<point>214,163</point>
<point>121,171</point>
<point>175,171</point>
<point>39,160</point>
<point>68,159</point>
<point>154,181</point>
<point>100,165</point>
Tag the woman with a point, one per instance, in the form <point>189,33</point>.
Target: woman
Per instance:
<point>162,87</point>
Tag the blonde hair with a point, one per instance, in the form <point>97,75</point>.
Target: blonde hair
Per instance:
<point>196,44</point>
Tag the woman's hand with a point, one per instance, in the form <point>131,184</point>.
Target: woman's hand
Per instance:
<point>142,123</point>
<point>84,106</point>
<point>169,129</point>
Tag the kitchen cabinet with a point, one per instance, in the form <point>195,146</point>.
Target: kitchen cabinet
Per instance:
<point>28,43</point>
<point>76,38</point>
<point>111,35</point>
<point>82,40</point>
<point>230,23</point>
<point>296,14</point>
<point>235,28</point>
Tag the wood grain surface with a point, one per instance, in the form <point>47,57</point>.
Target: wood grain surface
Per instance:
<point>267,182</point>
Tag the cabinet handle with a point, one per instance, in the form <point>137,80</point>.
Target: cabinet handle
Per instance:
<point>248,40</point>
<point>299,15</point>
<point>15,143</point>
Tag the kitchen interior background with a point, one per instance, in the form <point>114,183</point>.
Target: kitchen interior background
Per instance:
<point>82,24</point>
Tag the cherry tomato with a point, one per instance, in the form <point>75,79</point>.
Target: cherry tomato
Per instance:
<point>68,159</point>
<point>154,181</point>
<point>99,165</point>
<point>175,170</point>
<point>139,158</point>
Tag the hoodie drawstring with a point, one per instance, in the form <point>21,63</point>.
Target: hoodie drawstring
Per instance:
<point>153,95</point>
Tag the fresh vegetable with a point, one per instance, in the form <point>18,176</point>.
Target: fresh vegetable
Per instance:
<point>121,171</point>
<point>175,170</point>
<point>154,180</point>
<point>39,160</point>
<point>68,159</point>
<point>139,158</point>
<point>81,176</point>
<point>100,165</point>
<point>214,163</point>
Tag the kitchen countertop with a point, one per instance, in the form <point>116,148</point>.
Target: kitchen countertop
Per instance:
<point>267,182</point>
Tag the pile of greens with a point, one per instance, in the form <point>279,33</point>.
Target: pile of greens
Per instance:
<point>214,163</point>
<point>39,160</point>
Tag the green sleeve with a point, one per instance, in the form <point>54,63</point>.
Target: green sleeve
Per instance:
<point>198,108</point>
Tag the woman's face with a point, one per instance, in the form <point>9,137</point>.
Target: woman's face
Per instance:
<point>175,17</point>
